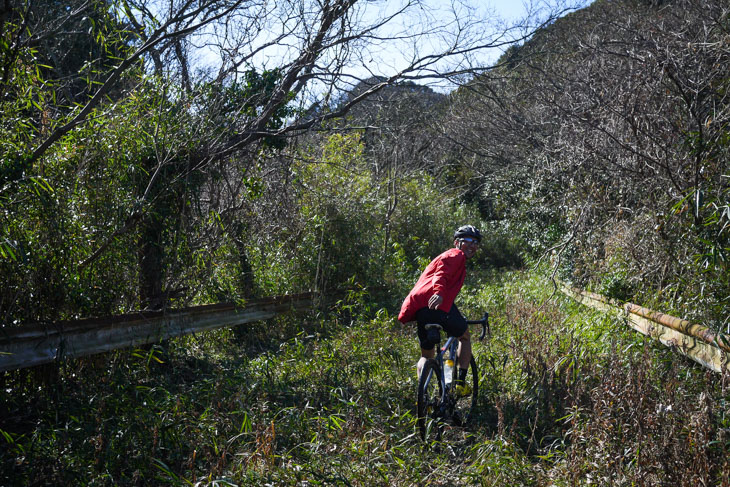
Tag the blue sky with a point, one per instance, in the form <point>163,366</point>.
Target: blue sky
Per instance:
<point>484,21</point>
<point>508,8</point>
<point>429,26</point>
<point>514,8</point>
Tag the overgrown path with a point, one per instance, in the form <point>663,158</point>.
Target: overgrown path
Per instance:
<point>568,397</point>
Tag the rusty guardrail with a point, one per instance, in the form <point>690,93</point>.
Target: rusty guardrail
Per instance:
<point>37,344</point>
<point>698,342</point>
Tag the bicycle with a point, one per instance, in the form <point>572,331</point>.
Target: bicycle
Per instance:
<point>438,401</point>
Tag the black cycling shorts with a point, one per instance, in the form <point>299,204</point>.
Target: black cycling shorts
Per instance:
<point>453,323</point>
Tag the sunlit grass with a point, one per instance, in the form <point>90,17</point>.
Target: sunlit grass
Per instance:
<point>329,400</point>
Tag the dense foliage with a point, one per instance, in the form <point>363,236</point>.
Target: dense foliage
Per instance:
<point>129,181</point>
<point>598,150</point>
<point>569,397</point>
<point>605,138</point>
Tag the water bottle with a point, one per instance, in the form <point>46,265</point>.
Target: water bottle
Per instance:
<point>448,371</point>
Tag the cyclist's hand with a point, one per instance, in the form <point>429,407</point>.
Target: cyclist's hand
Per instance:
<point>435,301</point>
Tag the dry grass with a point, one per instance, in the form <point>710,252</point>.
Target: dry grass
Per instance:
<point>568,397</point>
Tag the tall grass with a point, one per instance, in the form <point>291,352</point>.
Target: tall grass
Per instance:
<point>568,397</point>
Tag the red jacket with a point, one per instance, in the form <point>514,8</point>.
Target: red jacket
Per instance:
<point>443,276</point>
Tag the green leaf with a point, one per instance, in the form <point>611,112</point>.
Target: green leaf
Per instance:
<point>42,183</point>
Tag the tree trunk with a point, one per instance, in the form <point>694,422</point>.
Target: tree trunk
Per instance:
<point>151,256</point>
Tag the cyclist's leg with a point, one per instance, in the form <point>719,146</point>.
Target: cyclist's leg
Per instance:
<point>464,351</point>
<point>466,382</point>
<point>424,316</point>
<point>456,326</point>
<point>428,404</point>
<point>425,355</point>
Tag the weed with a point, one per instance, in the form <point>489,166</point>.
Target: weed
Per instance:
<point>567,397</point>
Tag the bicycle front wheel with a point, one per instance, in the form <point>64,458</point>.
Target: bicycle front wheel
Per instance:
<point>465,398</point>
<point>429,399</point>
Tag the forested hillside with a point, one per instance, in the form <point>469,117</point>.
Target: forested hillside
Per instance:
<point>605,139</point>
<point>220,151</point>
<point>154,158</point>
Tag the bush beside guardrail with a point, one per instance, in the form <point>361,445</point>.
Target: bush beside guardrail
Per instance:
<point>701,344</point>
<point>37,344</point>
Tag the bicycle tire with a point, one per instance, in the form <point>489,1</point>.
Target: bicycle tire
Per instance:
<point>464,405</point>
<point>429,399</point>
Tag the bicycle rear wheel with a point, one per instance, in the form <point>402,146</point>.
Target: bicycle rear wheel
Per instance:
<point>464,404</point>
<point>429,399</point>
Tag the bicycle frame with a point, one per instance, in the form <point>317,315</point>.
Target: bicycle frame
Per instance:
<point>451,346</point>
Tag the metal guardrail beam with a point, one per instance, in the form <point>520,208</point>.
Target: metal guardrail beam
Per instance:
<point>682,326</point>
<point>37,344</point>
<point>698,350</point>
<point>692,340</point>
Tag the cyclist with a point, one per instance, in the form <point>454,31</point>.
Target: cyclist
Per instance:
<point>432,300</point>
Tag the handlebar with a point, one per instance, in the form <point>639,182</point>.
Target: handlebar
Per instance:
<point>485,325</point>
